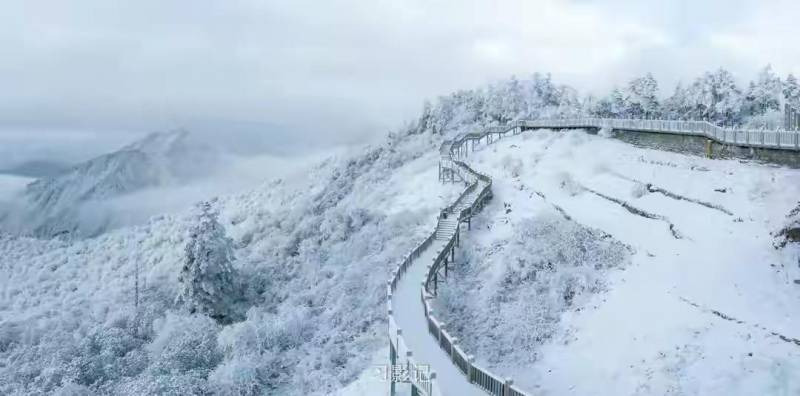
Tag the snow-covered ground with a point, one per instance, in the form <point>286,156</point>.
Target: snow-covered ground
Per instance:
<point>703,303</point>
<point>312,256</point>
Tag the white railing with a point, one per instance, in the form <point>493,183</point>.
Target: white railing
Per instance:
<point>399,353</point>
<point>478,191</point>
<point>452,151</point>
<point>774,139</point>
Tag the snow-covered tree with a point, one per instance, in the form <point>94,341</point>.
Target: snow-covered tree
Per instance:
<point>764,94</point>
<point>515,97</point>
<point>791,90</point>
<point>426,119</point>
<point>678,106</point>
<point>544,92</point>
<point>602,107</point>
<point>619,103</point>
<point>642,97</point>
<point>715,97</point>
<point>207,274</point>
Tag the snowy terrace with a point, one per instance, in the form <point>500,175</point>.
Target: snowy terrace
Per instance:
<point>702,290</point>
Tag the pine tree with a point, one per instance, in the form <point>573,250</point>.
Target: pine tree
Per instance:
<point>515,98</point>
<point>791,90</point>
<point>207,275</point>
<point>619,104</point>
<point>716,98</point>
<point>764,94</point>
<point>544,92</point>
<point>426,118</point>
<point>677,106</point>
<point>642,97</point>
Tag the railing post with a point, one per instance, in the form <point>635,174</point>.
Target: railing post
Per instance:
<point>470,368</point>
<point>397,342</point>
<point>408,365</point>
<point>507,387</point>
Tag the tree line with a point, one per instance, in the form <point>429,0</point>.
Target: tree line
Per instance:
<point>715,96</point>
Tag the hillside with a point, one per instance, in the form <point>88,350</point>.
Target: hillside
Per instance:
<point>603,268</point>
<point>313,253</point>
<point>313,256</point>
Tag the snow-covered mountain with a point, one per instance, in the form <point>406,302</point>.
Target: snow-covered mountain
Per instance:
<point>99,315</point>
<point>53,205</point>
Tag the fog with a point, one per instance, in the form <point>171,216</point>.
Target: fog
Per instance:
<point>234,173</point>
<point>241,174</point>
<point>281,81</point>
<point>306,73</point>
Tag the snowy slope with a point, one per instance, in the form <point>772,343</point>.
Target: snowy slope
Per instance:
<point>313,253</point>
<point>312,256</point>
<point>706,306</point>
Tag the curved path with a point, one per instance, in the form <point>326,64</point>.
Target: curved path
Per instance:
<point>416,338</point>
<point>410,317</point>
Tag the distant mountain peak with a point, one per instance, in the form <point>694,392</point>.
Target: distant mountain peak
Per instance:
<point>159,142</point>
<point>158,159</point>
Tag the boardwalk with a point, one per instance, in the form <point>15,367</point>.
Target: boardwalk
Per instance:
<point>416,337</point>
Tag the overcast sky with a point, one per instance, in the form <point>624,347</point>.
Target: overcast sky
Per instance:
<point>347,71</point>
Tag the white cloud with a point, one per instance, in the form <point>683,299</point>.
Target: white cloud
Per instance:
<point>347,70</point>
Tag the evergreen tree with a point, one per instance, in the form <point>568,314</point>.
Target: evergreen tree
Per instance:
<point>544,92</point>
<point>764,94</point>
<point>602,108</point>
<point>515,98</point>
<point>716,98</point>
<point>206,277</point>
<point>619,104</point>
<point>426,118</point>
<point>678,106</point>
<point>642,98</point>
<point>791,90</point>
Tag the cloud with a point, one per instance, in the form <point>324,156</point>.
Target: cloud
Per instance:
<point>347,71</point>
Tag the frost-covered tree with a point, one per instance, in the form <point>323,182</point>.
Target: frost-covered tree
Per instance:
<point>791,90</point>
<point>715,97</point>
<point>764,94</point>
<point>619,103</point>
<point>544,92</point>
<point>206,277</point>
<point>515,97</point>
<point>678,106</point>
<point>612,106</point>
<point>642,97</point>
